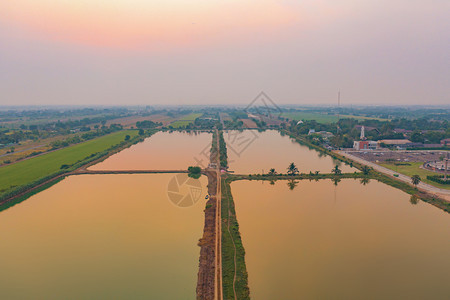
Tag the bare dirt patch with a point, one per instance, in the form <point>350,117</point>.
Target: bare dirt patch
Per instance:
<point>249,123</point>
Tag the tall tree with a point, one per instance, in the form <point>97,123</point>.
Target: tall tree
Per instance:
<point>292,169</point>
<point>272,172</point>
<point>336,170</point>
<point>415,179</point>
<point>366,170</point>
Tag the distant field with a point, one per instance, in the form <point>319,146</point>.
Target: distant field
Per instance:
<point>186,120</point>
<point>225,117</point>
<point>27,121</point>
<point>362,118</point>
<point>127,122</point>
<point>249,123</point>
<point>32,169</point>
<point>323,118</point>
<point>414,169</point>
<point>307,116</point>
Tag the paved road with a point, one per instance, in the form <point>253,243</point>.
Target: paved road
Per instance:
<point>442,193</point>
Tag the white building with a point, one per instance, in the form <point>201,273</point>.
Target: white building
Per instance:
<point>365,145</point>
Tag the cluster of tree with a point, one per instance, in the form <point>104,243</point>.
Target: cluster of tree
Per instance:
<point>383,112</point>
<point>431,137</point>
<point>36,127</point>
<point>346,130</point>
<point>261,124</point>
<point>238,114</point>
<point>14,136</point>
<point>31,115</point>
<point>292,170</point>
<point>223,156</point>
<point>194,172</point>
<point>205,123</point>
<point>439,179</point>
<point>234,124</point>
<point>147,124</point>
<point>86,136</point>
<point>177,113</point>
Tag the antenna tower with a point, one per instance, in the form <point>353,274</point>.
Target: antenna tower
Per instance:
<point>339,111</point>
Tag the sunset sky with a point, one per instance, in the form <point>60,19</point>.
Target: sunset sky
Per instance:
<point>113,52</point>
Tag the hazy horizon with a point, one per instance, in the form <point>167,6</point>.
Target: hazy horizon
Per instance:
<point>202,52</point>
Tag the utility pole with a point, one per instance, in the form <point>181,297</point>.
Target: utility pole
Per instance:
<point>445,167</point>
<point>338,129</point>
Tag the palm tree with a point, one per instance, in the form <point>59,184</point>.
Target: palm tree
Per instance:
<point>365,170</point>
<point>272,172</point>
<point>292,169</point>
<point>336,170</point>
<point>365,180</point>
<point>415,179</point>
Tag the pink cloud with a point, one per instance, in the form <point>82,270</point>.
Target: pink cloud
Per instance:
<point>135,24</point>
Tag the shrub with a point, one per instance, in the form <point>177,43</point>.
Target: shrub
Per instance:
<point>439,179</point>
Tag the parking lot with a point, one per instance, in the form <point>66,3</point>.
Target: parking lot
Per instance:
<point>386,156</point>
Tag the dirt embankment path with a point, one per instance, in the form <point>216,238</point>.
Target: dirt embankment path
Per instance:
<point>219,293</point>
<point>207,270</point>
<point>218,267</point>
<point>209,284</point>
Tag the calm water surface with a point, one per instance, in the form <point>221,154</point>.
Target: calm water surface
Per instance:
<point>101,237</point>
<point>252,152</point>
<point>162,151</point>
<point>352,241</point>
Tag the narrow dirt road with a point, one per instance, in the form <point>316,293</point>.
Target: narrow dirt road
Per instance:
<point>218,266</point>
<point>209,284</point>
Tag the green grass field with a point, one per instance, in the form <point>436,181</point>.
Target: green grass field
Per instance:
<point>414,169</point>
<point>362,118</point>
<point>186,120</point>
<point>32,169</point>
<point>322,118</point>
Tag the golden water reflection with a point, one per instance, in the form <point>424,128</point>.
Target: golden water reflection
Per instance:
<point>101,237</point>
<point>251,152</point>
<point>162,151</point>
<point>350,241</point>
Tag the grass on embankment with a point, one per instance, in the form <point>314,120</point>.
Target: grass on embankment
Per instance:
<point>415,169</point>
<point>17,200</point>
<point>26,171</point>
<point>228,250</point>
<point>186,120</point>
<point>311,176</point>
